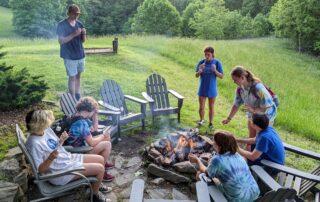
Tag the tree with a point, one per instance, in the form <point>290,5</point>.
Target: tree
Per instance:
<point>4,3</point>
<point>109,16</point>
<point>253,7</point>
<point>188,15</point>
<point>157,17</point>
<point>180,5</point>
<point>298,20</point>
<point>19,88</point>
<point>33,18</point>
<point>233,4</point>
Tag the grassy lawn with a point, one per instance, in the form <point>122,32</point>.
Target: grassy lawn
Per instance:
<point>294,77</point>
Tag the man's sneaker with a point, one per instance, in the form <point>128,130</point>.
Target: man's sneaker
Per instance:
<point>108,166</point>
<point>107,177</point>
<point>99,197</point>
<point>200,123</point>
<point>104,189</point>
<point>211,126</point>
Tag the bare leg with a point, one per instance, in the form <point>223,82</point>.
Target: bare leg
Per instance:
<point>211,109</point>
<point>93,165</point>
<point>103,149</point>
<point>252,134</point>
<point>202,103</point>
<point>71,85</point>
<point>77,83</point>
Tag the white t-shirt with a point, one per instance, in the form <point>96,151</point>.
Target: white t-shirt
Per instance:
<point>40,147</point>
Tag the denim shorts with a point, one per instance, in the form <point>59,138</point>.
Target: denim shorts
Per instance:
<point>73,67</point>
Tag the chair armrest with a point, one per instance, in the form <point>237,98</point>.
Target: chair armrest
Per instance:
<point>175,94</point>
<point>301,151</point>
<point>83,149</point>
<point>108,112</point>
<point>61,173</point>
<point>109,107</point>
<point>292,171</point>
<point>135,99</point>
<point>136,194</point>
<point>202,192</point>
<point>147,97</point>
<point>265,177</point>
<point>214,192</point>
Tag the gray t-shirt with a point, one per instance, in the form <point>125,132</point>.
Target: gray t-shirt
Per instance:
<point>40,147</point>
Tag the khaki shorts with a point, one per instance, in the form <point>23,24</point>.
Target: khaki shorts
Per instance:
<point>73,67</point>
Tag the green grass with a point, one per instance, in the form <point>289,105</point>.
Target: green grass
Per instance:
<point>293,76</point>
<point>6,28</point>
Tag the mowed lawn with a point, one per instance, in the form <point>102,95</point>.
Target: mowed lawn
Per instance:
<point>293,76</point>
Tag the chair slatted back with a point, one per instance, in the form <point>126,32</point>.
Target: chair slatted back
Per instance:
<point>281,194</point>
<point>68,104</point>
<point>307,184</point>
<point>157,89</point>
<point>112,94</point>
<point>21,142</point>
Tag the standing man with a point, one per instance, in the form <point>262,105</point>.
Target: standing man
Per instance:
<point>71,35</point>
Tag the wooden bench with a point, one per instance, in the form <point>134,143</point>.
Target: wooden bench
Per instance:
<point>114,49</point>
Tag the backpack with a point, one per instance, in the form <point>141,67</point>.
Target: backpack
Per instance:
<point>64,124</point>
<point>274,96</point>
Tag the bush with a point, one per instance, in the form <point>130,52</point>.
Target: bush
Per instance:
<point>18,88</point>
<point>188,15</point>
<point>157,17</point>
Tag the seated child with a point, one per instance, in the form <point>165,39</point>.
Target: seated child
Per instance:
<point>50,156</point>
<point>80,132</point>
<point>229,170</point>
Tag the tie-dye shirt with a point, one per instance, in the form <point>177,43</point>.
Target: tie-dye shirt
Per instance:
<point>79,130</point>
<point>261,99</point>
<point>237,183</point>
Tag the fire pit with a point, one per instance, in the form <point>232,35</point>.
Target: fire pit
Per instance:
<point>174,148</point>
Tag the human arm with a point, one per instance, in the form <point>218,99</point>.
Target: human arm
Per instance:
<point>93,141</point>
<point>252,156</point>
<point>44,166</point>
<point>232,112</point>
<point>217,70</point>
<point>64,136</point>
<point>247,141</point>
<point>199,69</point>
<point>194,159</point>
<point>83,35</point>
<point>66,39</point>
<point>95,122</point>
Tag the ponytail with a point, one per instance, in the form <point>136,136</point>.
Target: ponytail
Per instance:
<point>239,71</point>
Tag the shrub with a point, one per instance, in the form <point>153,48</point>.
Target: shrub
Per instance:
<point>157,17</point>
<point>19,88</point>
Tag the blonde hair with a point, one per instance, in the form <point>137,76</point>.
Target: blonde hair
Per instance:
<point>39,120</point>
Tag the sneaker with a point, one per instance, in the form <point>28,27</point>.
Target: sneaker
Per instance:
<point>108,166</point>
<point>211,126</point>
<point>99,197</point>
<point>104,189</point>
<point>200,123</point>
<point>107,177</point>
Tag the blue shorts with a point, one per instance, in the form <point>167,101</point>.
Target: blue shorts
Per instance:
<point>73,67</point>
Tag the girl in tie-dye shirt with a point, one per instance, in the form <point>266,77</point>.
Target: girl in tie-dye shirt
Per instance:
<point>255,97</point>
<point>229,170</point>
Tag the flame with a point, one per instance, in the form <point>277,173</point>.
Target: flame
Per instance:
<point>168,146</point>
<point>192,144</point>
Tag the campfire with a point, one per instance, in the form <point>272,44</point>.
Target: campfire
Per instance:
<point>176,147</point>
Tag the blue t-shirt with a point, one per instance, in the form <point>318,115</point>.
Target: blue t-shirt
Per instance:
<point>73,50</point>
<point>208,79</point>
<point>269,143</point>
<point>78,132</point>
<point>237,182</point>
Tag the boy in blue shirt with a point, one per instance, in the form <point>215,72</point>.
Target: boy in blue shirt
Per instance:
<point>208,69</point>
<point>268,143</point>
